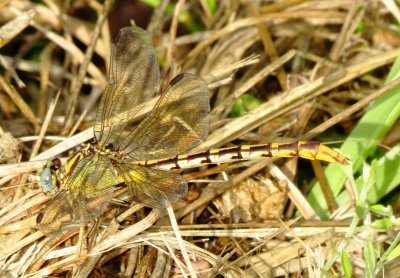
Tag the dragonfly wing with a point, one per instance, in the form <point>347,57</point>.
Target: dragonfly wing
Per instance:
<point>91,184</point>
<point>152,187</point>
<point>134,76</point>
<point>86,191</point>
<point>178,122</point>
<point>58,215</point>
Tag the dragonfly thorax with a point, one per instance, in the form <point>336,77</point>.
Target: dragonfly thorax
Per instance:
<point>109,151</point>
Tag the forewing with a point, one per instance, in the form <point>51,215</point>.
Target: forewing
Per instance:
<point>91,184</point>
<point>133,79</point>
<point>58,215</point>
<point>178,122</point>
<point>86,191</point>
<point>152,187</point>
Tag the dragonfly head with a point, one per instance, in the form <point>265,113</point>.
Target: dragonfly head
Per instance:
<point>47,177</point>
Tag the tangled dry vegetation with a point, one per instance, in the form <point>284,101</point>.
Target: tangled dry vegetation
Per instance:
<point>277,71</point>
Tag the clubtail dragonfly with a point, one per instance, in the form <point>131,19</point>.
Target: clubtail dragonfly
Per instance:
<point>143,156</point>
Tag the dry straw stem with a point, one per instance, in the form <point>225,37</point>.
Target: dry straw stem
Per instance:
<point>77,83</point>
<point>19,101</point>
<point>55,71</point>
<point>14,27</point>
<point>178,235</point>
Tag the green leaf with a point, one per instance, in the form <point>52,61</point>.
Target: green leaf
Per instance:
<point>387,178</point>
<point>190,22</point>
<point>362,143</point>
<point>212,5</point>
<point>370,257</point>
<point>394,253</point>
<point>382,210</point>
<point>360,27</point>
<point>152,3</point>
<point>184,17</point>
<point>362,211</point>
<point>346,265</point>
<point>383,224</point>
<point>244,104</point>
<point>391,253</point>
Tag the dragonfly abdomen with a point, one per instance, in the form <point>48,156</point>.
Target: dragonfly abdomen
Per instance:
<point>312,150</point>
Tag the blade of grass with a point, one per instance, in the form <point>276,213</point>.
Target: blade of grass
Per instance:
<point>387,178</point>
<point>362,142</point>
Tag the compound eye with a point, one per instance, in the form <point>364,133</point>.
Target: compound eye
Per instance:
<point>55,163</point>
<point>47,178</point>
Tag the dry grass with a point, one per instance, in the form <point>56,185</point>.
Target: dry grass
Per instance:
<point>313,67</point>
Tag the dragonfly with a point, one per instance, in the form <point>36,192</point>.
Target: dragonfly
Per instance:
<point>145,156</point>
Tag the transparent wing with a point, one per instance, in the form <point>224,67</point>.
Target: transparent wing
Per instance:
<point>152,187</point>
<point>93,176</point>
<point>178,122</point>
<point>134,76</point>
<point>58,215</point>
<point>86,191</point>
